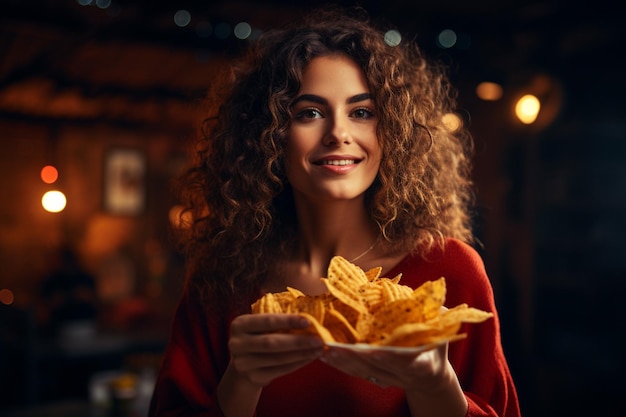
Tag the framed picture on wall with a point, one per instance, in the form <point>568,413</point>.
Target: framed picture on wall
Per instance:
<point>124,181</point>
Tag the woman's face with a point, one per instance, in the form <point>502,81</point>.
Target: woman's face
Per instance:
<point>332,149</point>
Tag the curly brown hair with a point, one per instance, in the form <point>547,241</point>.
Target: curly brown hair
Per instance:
<point>237,193</point>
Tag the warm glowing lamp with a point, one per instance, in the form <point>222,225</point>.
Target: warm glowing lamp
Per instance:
<point>49,174</point>
<point>54,201</point>
<point>527,109</point>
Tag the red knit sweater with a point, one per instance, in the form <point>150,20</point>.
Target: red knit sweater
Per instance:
<point>197,356</point>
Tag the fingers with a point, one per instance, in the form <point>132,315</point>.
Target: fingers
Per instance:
<point>401,369</point>
<point>267,333</point>
<point>262,349</point>
<point>273,349</point>
<point>366,365</point>
<point>267,323</point>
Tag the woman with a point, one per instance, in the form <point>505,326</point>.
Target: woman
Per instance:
<point>327,142</point>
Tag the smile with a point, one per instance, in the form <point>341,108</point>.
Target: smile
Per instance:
<point>337,162</point>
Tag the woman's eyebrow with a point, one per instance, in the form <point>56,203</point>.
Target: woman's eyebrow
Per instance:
<point>359,97</point>
<point>320,100</point>
<point>310,97</point>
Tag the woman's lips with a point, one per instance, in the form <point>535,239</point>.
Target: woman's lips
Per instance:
<point>341,165</point>
<point>337,162</point>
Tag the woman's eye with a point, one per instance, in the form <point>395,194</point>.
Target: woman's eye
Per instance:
<point>309,114</point>
<point>362,114</point>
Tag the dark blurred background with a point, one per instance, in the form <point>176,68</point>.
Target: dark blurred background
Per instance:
<point>109,93</point>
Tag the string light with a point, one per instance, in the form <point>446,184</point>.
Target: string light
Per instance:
<point>527,109</point>
<point>54,201</point>
<point>49,174</point>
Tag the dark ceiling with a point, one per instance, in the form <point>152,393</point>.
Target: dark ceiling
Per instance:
<point>126,61</point>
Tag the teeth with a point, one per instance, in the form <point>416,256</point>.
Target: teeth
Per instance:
<point>339,162</point>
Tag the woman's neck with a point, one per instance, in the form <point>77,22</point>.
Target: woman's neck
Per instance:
<point>328,229</point>
<point>325,229</point>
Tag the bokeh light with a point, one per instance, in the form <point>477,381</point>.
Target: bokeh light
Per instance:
<point>489,91</point>
<point>242,30</point>
<point>446,38</point>
<point>393,37</point>
<point>6,296</point>
<point>53,201</point>
<point>527,109</point>
<point>452,121</point>
<point>182,18</point>
<point>103,4</point>
<point>49,174</point>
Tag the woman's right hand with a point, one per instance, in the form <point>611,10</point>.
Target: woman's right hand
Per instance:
<point>262,350</point>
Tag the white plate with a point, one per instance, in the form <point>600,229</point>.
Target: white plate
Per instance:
<point>365,347</point>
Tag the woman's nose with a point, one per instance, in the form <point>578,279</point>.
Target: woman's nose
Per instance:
<point>338,132</point>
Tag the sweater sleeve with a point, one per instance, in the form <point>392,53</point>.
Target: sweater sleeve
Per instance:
<point>479,360</point>
<point>192,364</point>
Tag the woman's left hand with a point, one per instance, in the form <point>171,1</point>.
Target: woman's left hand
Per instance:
<point>428,379</point>
<point>422,371</point>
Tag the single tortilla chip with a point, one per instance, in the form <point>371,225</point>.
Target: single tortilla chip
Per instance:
<point>267,304</point>
<point>315,328</point>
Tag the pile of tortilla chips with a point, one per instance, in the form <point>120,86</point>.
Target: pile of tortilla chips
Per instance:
<point>363,307</point>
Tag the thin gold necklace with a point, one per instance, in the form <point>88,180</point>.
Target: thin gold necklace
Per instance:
<point>368,250</point>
